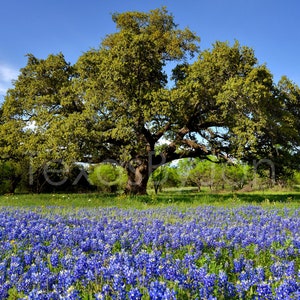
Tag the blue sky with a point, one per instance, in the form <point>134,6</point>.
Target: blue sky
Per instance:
<point>43,27</point>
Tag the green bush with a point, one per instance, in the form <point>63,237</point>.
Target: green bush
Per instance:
<point>108,177</point>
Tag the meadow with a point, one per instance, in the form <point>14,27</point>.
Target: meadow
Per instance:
<point>177,245</point>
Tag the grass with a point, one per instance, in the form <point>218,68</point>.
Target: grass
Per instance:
<point>179,198</point>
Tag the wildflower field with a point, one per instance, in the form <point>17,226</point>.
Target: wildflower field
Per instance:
<point>198,252</point>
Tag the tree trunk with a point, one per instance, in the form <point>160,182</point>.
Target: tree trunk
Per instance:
<point>156,188</point>
<point>137,179</point>
<point>14,181</point>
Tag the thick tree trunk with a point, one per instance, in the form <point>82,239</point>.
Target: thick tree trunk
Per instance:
<point>137,179</point>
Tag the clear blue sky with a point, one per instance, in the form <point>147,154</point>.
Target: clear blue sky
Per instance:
<point>42,27</point>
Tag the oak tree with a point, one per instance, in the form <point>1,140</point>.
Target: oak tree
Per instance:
<point>119,102</point>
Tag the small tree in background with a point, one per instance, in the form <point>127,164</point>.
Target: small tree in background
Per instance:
<point>238,175</point>
<point>164,176</point>
<point>108,177</point>
<point>203,174</point>
<point>215,175</point>
<point>184,166</point>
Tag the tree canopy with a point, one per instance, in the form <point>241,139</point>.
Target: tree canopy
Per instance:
<point>119,102</point>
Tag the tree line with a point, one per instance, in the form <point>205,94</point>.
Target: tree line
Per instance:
<point>119,103</point>
<point>108,177</point>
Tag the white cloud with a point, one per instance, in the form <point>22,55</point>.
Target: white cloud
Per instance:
<point>7,74</point>
<point>3,88</point>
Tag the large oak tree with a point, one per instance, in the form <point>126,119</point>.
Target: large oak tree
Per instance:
<point>119,102</point>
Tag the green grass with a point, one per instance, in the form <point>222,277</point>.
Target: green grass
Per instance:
<point>179,198</point>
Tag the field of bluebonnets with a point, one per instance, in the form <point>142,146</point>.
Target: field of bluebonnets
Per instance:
<point>246,251</point>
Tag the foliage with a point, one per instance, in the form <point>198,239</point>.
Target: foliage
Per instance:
<point>108,177</point>
<point>12,175</point>
<point>215,175</point>
<point>117,102</point>
<point>237,175</point>
<point>204,174</point>
<point>297,177</point>
<point>164,176</point>
<point>55,176</point>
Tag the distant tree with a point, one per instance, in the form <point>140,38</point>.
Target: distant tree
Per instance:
<point>173,179</point>
<point>158,177</point>
<point>237,175</point>
<point>295,180</point>
<point>184,166</point>
<point>108,177</point>
<point>207,173</point>
<point>202,174</point>
<point>224,175</point>
<point>164,176</point>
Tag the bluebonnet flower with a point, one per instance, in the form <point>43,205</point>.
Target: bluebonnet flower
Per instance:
<point>277,270</point>
<point>223,279</point>
<point>291,251</point>
<point>4,290</point>
<point>71,294</point>
<point>16,265</point>
<point>25,285</point>
<point>135,251</point>
<point>264,291</point>
<point>86,245</point>
<point>67,261</point>
<point>194,277</point>
<point>238,265</point>
<point>131,275</point>
<point>287,289</point>
<point>105,292</point>
<point>134,294</point>
<point>207,290</point>
<point>260,273</point>
<point>3,271</point>
<point>281,253</point>
<point>226,287</point>
<point>119,285</point>
<point>290,269</point>
<point>28,257</point>
<point>36,294</point>
<point>65,279</point>
<point>80,267</point>
<point>54,258</point>
<point>159,291</point>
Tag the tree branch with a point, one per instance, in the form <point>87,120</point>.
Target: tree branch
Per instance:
<point>194,145</point>
<point>186,154</point>
<point>161,132</point>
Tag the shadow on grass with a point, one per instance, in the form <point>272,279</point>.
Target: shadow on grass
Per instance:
<point>288,197</point>
<point>180,197</point>
<point>207,198</point>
